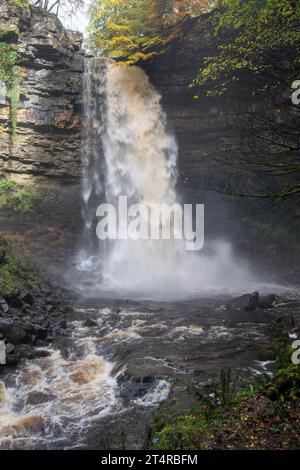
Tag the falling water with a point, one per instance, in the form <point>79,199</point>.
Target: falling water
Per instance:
<point>129,152</point>
<point>92,163</point>
<point>49,402</point>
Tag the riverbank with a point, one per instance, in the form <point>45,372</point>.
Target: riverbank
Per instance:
<point>33,308</point>
<point>263,415</point>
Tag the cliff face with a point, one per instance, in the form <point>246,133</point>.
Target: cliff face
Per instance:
<point>49,114</point>
<point>204,126</point>
<point>47,140</point>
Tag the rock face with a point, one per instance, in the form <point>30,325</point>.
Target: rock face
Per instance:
<point>49,112</point>
<point>47,145</point>
<point>48,128</point>
<point>203,126</point>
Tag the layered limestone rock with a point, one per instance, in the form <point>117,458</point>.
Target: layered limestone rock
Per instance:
<point>49,114</point>
<point>47,136</point>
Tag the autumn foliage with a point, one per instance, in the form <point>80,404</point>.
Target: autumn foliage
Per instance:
<point>136,30</point>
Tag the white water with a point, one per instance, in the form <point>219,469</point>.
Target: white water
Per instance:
<point>51,401</point>
<point>124,112</point>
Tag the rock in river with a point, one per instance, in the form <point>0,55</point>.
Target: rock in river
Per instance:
<point>12,331</point>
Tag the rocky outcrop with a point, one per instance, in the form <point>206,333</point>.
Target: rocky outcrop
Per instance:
<point>48,120</point>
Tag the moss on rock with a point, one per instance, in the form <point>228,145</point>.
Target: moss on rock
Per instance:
<point>20,198</point>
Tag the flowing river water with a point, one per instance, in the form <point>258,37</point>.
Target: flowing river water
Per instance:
<point>122,359</point>
<point>97,386</point>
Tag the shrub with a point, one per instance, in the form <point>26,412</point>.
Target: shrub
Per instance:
<point>19,198</point>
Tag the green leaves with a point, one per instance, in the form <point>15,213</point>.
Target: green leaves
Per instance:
<point>8,62</point>
<point>19,198</point>
<point>255,37</point>
<point>123,30</point>
<point>19,3</point>
<point>134,30</point>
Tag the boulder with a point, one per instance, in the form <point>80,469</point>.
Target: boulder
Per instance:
<point>252,301</point>
<point>267,301</point>
<point>260,407</point>
<point>246,302</point>
<point>4,307</point>
<point>36,398</point>
<point>26,298</point>
<point>26,351</point>
<point>89,322</point>
<point>13,331</point>
<point>38,331</point>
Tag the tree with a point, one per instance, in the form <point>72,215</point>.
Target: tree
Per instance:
<point>258,54</point>
<point>55,5</point>
<point>257,39</point>
<point>134,30</point>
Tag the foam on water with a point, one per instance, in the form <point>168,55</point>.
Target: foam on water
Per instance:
<point>50,400</point>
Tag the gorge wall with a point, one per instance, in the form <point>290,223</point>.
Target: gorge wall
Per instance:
<point>47,144</point>
<point>48,119</point>
<point>49,114</point>
<point>204,126</point>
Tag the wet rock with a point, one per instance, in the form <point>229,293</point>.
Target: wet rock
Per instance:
<point>2,392</point>
<point>246,302</point>
<point>63,325</point>
<point>250,302</point>
<point>136,387</point>
<point>260,407</point>
<point>4,307</point>
<point>89,322</point>
<point>36,398</point>
<point>50,308</point>
<point>36,330</point>
<point>26,298</point>
<point>12,331</point>
<point>9,348</point>
<point>40,343</point>
<point>267,301</point>
<point>13,359</point>
<point>26,351</point>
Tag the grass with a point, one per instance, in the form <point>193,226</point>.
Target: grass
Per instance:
<point>17,197</point>
<point>263,414</point>
<point>14,95</point>
<point>16,271</point>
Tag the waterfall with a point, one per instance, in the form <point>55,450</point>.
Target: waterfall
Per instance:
<point>128,151</point>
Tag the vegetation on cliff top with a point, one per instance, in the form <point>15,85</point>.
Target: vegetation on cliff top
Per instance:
<point>131,31</point>
<point>264,43</point>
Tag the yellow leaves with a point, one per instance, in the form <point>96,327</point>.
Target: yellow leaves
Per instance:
<point>140,56</point>
<point>134,30</point>
<point>116,27</point>
<point>121,41</point>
